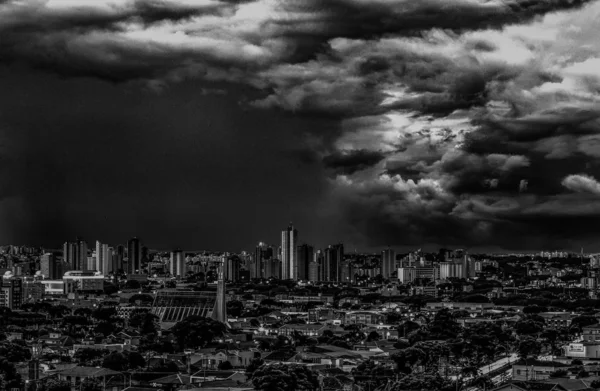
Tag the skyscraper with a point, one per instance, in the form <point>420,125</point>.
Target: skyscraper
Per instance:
<point>75,254</point>
<point>134,255</point>
<point>50,267</point>
<point>289,237</point>
<point>262,254</point>
<point>178,267</point>
<point>103,258</point>
<point>334,255</point>
<point>305,257</point>
<point>388,262</point>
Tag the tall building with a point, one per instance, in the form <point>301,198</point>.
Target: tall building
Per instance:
<point>305,255</point>
<point>451,270</point>
<point>289,238</point>
<point>48,267</point>
<point>232,265</point>
<point>262,255</point>
<point>334,255</point>
<point>118,258</point>
<point>134,255</point>
<point>219,312</point>
<point>75,254</point>
<point>388,262</point>
<point>178,267</point>
<point>103,258</point>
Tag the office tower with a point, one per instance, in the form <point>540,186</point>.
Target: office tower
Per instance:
<point>91,264</point>
<point>289,237</point>
<point>305,255</point>
<point>407,274</point>
<point>388,262</point>
<point>103,258</point>
<point>262,255</point>
<point>178,267</point>
<point>232,271</point>
<point>48,266</point>
<point>118,258</point>
<point>314,268</point>
<point>219,312</point>
<point>347,272</point>
<point>76,254</point>
<point>272,268</point>
<point>334,255</point>
<point>451,270</point>
<point>134,255</point>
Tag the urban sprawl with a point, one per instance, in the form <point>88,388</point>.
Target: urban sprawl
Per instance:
<point>291,317</point>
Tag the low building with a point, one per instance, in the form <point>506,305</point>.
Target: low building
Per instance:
<point>83,281</point>
<point>557,319</point>
<point>531,369</point>
<point>583,349</point>
<point>364,317</point>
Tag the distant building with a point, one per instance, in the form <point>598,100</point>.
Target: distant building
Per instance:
<point>388,262</point>
<point>407,275</point>
<point>333,257</point>
<point>83,281</point>
<point>75,254</point>
<point>50,266</point>
<point>11,292</point>
<point>178,265</point>
<point>451,270</point>
<point>305,255</point>
<point>289,238</point>
<point>104,261</point>
<point>262,254</point>
<point>134,255</point>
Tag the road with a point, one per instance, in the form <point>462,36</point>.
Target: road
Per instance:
<point>484,370</point>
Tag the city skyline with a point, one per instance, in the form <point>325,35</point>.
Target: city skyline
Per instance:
<point>471,124</point>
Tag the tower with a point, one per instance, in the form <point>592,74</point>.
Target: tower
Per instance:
<point>289,266</point>
<point>134,255</point>
<point>388,262</point>
<point>219,313</point>
<point>304,258</point>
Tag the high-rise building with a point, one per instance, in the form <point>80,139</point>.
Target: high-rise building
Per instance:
<point>219,312</point>
<point>262,254</point>
<point>119,257</point>
<point>314,268</point>
<point>334,255</point>
<point>305,254</point>
<point>388,262</point>
<point>178,266</point>
<point>289,238</point>
<point>134,255</point>
<point>451,270</point>
<point>48,267</point>
<point>103,258</point>
<point>232,265</point>
<point>76,254</point>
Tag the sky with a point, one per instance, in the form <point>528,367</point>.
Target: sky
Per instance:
<point>212,124</point>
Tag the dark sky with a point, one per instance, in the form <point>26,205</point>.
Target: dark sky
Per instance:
<point>212,124</point>
<point>177,168</point>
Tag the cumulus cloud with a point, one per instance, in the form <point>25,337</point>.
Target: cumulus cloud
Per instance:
<point>582,184</point>
<point>446,112</point>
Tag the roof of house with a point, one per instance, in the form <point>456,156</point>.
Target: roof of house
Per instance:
<point>539,363</point>
<point>175,378</point>
<point>88,372</point>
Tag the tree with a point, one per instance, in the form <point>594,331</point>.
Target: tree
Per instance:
<point>133,284</point>
<point>88,357</point>
<point>235,308</point>
<point>529,346</point>
<point>373,336</point>
<point>197,331</point>
<point>225,365</point>
<point>559,373</point>
<point>420,382</point>
<point>91,384</point>
<point>50,384</point>
<point>283,377</point>
<point>144,321</point>
<point>116,361</point>
<point>253,366</point>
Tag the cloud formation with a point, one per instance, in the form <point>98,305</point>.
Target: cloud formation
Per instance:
<point>458,122</point>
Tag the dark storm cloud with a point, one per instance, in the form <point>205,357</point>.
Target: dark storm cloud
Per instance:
<point>349,162</point>
<point>460,122</point>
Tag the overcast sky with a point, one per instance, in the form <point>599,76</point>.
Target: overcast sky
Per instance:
<point>211,124</point>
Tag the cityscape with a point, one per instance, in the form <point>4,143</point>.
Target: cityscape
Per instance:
<point>311,195</point>
<point>127,317</point>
